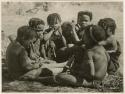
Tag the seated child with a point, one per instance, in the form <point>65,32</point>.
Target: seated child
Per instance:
<point>37,51</point>
<point>67,29</point>
<point>84,19</point>
<point>90,63</point>
<point>18,60</point>
<point>37,26</point>
<point>111,45</point>
<point>53,37</point>
<point>68,33</point>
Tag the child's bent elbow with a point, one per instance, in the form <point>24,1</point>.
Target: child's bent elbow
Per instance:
<point>93,74</point>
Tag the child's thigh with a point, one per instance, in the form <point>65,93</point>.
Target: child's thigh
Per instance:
<point>31,74</point>
<point>67,79</point>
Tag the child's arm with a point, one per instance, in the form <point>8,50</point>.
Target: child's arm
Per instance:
<point>32,54</point>
<point>110,41</point>
<point>64,41</point>
<point>43,52</point>
<point>103,43</point>
<point>42,49</point>
<point>27,63</point>
<point>70,45</point>
<point>76,38</point>
<point>114,44</point>
<point>47,36</point>
<point>91,63</point>
<point>92,68</point>
<point>90,74</point>
<point>68,65</point>
<point>63,38</point>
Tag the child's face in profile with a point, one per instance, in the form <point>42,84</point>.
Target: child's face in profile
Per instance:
<point>109,32</point>
<point>107,29</point>
<point>26,43</point>
<point>84,21</point>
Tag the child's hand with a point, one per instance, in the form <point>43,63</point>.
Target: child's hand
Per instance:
<point>59,30</point>
<point>102,43</point>
<point>73,26</point>
<point>57,27</point>
<point>70,45</point>
<point>37,65</point>
<point>46,61</point>
<point>111,51</point>
<point>66,69</point>
<point>40,59</point>
<point>88,84</point>
<point>52,44</point>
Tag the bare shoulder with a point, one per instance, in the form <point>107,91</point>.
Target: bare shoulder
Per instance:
<point>111,39</point>
<point>15,47</point>
<point>97,49</point>
<point>98,53</point>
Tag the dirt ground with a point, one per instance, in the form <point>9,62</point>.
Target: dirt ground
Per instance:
<point>12,18</point>
<point>112,83</point>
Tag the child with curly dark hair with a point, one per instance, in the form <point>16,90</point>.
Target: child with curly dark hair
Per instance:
<point>111,45</point>
<point>53,37</point>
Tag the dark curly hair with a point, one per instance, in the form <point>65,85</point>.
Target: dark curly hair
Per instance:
<point>96,33</point>
<point>108,23</point>
<point>80,13</point>
<point>25,33</point>
<point>67,29</point>
<point>34,22</point>
<point>52,18</point>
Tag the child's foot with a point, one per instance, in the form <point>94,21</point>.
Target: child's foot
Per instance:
<point>88,84</point>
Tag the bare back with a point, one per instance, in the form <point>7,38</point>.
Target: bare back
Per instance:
<point>100,60</point>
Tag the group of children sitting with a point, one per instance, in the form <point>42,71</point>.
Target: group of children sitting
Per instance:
<point>65,53</point>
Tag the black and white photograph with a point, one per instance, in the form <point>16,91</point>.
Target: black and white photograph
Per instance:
<point>62,46</point>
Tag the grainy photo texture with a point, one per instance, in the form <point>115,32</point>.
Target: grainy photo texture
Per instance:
<point>62,46</point>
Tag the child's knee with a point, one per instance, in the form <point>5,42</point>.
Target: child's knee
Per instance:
<point>66,79</point>
<point>33,74</point>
